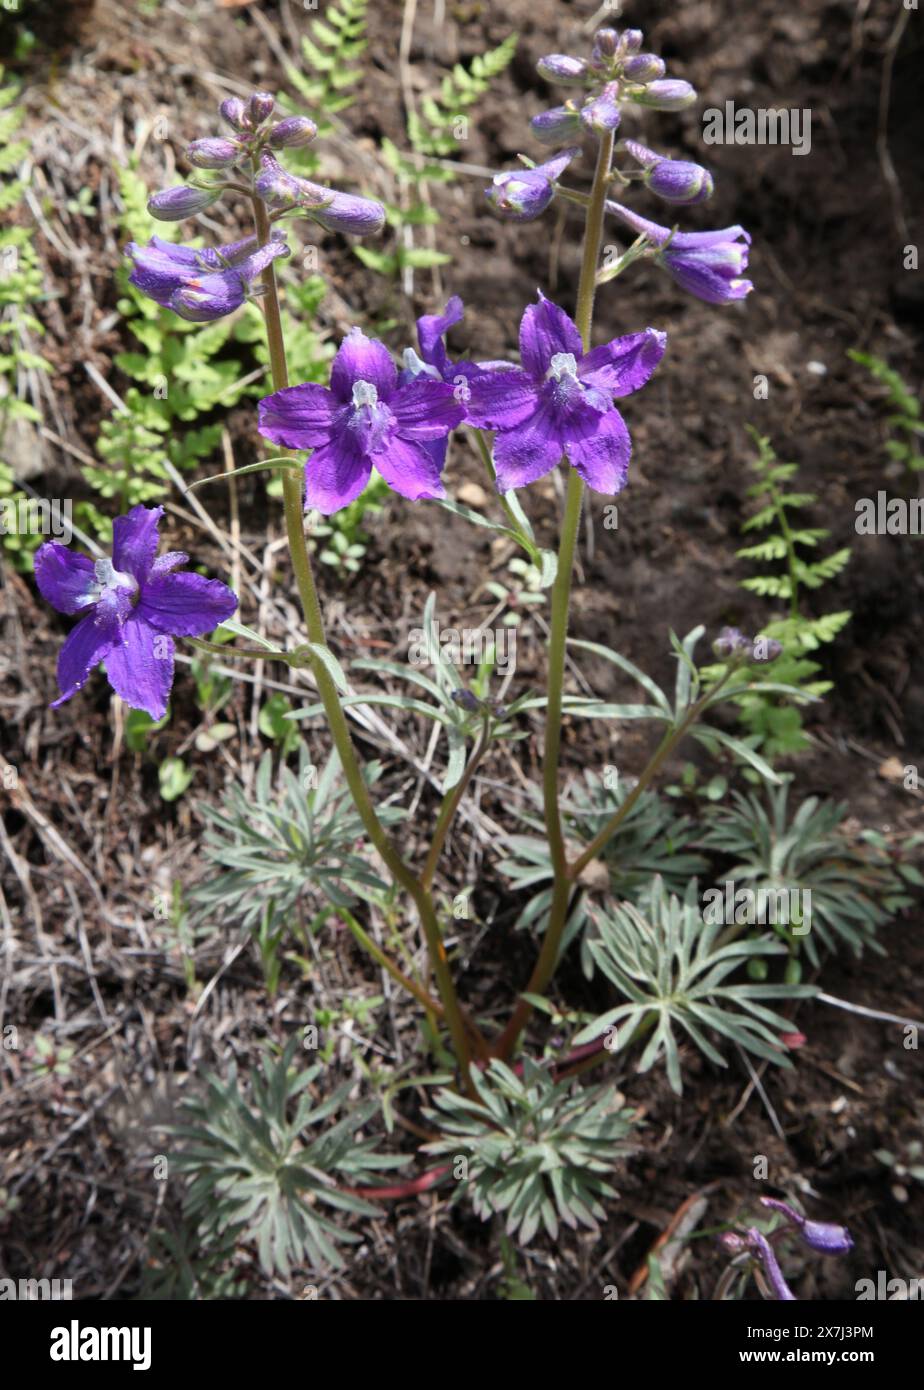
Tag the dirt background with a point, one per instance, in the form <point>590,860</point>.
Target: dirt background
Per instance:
<point>87,840</point>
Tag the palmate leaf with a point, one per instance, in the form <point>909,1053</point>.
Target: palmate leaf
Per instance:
<point>672,967</point>
<point>854,887</point>
<point>536,1151</point>
<point>267,848</point>
<point>254,1176</point>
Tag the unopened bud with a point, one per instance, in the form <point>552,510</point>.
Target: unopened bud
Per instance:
<point>260,107</point>
<point>292,133</point>
<point>677,181</point>
<point>766,649</point>
<point>644,67</point>
<point>602,114</point>
<point>234,112</point>
<point>175,204</point>
<point>559,67</point>
<point>559,124</point>
<point>213,154</point>
<point>606,41</point>
<point>466,700</point>
<point>670,95</point>
<point>631,41</point>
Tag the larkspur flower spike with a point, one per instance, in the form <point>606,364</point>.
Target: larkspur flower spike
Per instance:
<point>132,607</point>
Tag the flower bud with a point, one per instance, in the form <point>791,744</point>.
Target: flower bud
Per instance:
<point>670,95</point>
<point>559,67</point>
<point>606,42</point>
<point>561,123</point>
<point>732,644</point>
<point>346,213</point>
<point>466,700</point>
<point>522,194</point>
<point>602,114</point>
<point>213,154</point>
<point>292,133</point>
<point>644,67</point>
<point>234,112</point>
<point>174,204</point>
<point>677,181</point>
<point>631,42</point>
<point>260,107</point>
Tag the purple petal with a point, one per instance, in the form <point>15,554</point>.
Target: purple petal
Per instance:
<point>209,297</point>
<point>84,648</point>
<point>500,400</point>
<point>707,283</point>
<point>169,561</point>
<point>523,455</point>
<point>431,329</point>
<point>601,456</point>
<point>695,241</point>
<point>140,667</point>
<point>410,469</point>
<point>335,475</point>
<point>64,578</point>
<point>299,417</point>
<point>186,605</point>
<point>134,540</point>
<point>426,410</point>
<point>625,364</point>
<point>544,331</point>
<point>362,359</point>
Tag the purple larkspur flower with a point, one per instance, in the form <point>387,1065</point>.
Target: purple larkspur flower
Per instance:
<point>826,1237</point>
<point>707,264</point>
<point>337,212</point>
<point>560,402</point>
<point>522,194</point>
<point>133,606</point>
<point>200,285</point>
<point>365,418</point>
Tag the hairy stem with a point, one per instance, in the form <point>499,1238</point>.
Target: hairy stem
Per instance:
<point>339,728</point>
<point>558,636</point>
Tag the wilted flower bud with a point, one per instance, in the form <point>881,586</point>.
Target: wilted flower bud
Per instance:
<point>602,114</point>
<point>234,112</point>
<point>260,107</point>
<point>644,67</point>
<point>292,133</point>
<point>677,181</point>
<point>561,123</point>
<point>766,649</point>
<point>174,204</point>
<point>559,67</point>
<point>762,1248</point>
<point>213,154</point>
<point>670,95</point>
<point>466,700</point>
<point>824,1236</point>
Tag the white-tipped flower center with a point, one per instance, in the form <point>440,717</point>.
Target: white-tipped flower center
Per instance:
<point>417,367</point>
<point>364,393</point>
<point>563,366</point>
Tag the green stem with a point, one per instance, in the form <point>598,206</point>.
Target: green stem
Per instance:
<point>558,634</point>
<point>661,754</point>
<point>485,451</point>
<point>339,728</point>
